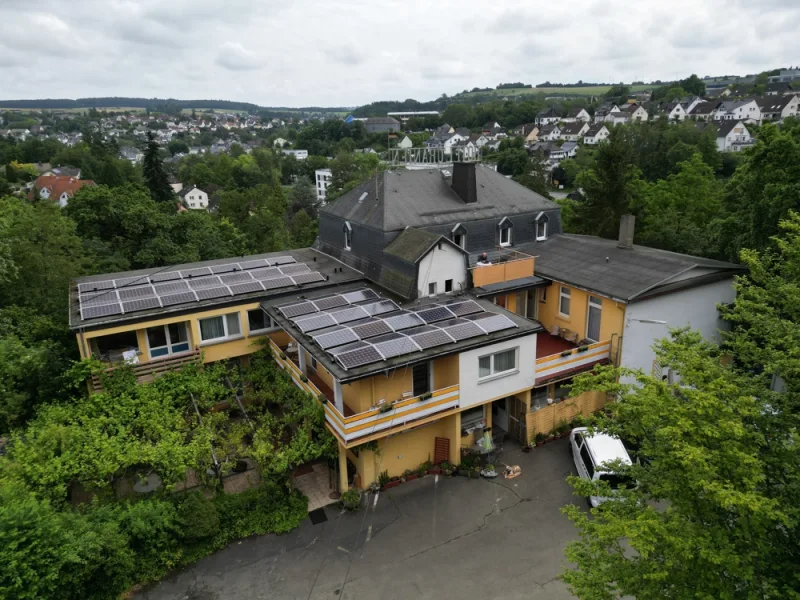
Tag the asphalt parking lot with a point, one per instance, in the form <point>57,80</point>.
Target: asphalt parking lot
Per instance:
<point>432,538</point>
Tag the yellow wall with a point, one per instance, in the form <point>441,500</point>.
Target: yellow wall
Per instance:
<point>506,271</point>
<point>211,352</point>
<point>611,318</point>
<point>408,449</point>
<point>550,417</point>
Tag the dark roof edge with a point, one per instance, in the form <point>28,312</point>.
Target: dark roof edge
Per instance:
<point>688,283</point>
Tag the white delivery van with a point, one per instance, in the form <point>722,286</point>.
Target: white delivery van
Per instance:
<point>592,454</point>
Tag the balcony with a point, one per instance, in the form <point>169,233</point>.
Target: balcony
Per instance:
<point>147,371</point>
<point>352,428</point>
<point>508,265</point>
<point>557,358</point>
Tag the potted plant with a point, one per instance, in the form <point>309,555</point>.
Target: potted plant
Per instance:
<point>410,475</point>
<point>527,448</point>
<point>433,469</point>
<point>351,500</point>
<point>283,356</point>
<point>303,378</point>
<point>564,429</point>
<point>422,469</point>
<point>323,399</point>
<point>425,396</point>
<point>540,438</point>
<point>385,408</point>
<point>386,482</point>
<point>566,353</point>
<point>475,472</point>
<point>447,468</point>
<point>488,471</point>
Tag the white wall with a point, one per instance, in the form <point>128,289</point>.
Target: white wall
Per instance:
<point>472,392</point>
<point>695,307</point>
<point>439,265</point>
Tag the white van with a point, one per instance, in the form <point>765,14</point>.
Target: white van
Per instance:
<point>591,452</point>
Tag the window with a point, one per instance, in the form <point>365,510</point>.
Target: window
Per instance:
<point>348,236</point>
<point>472,418</point>
<point>220,328</point>
<point>432,289</point>
<point>501,363</point>
<point>543,295</point>
<point>258,321</point>
<point>541,228</point>
<point>587,461</point>
<point>421,379</point>
<point>313,363</point>
<point>448,286</point>
<point>563,305</point>
<point>505,232</point>
<point>166,340</point>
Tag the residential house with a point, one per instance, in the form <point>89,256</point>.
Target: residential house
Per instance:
<point>407,343</point>
<point>604,110</point>
<point>479,139</point>
<point>176,186</point>
<point>577,114</point>
<point>523,130</point>
<point>618,118</point>
<point>74,172</point>
<point>298,154</point>
<point>379,124</point>
<point>547,117</point>
<point>672,111</point>
<point>131,153</point>
<point>549,132</point>
<point>279,142</point>
<point>689,102</point>
<point>570,149</point>
<point>778,88</point>
<point>467,150</point>
<point>777,108</point>
<point>446,141</point>
<point>595,134</point>
<point>193,197</point>
<point>733,136</point>
<point>551,152</point>
<point>490,125</point>
<point>785,75</point>
<point>574,131</point>
<point>322,178</point>
<point>703,111</point>
<point>635,112</point>
<point>738,110</point>
<point>405,143</point>
<point>533,135</point>
<point>57,188</point>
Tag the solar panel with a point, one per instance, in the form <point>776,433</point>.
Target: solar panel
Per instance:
<point>360,296</point>
<point>338,337</point>
<point>96,285</point>
<point>254,264</point>
<point>464,331</point>
<point>358,357</point>
<point>266,273</point>
<point>106,297</point>
<point>464,307</point>
<point>171,288</point>
<point>329,302</point>
<point>347,348</point>
<point>380,307</point>
<point>371,329</point>
<point>141,304</point>
<point>235,278</point>
<point>246,287</point>
<point>291,311</point>
<point>345,315</point>
<point>204,282</point>
<point>278,282</point>
<point>165,276</point>
<point>396,347</point>
<point>195,272</point>
<point>281,260</point>
<point>230,267</point>
<point>101,310</point>
<point>491,322</point>
<point>436,313</point>
<point>315,321</point>
<point>124,281</point>
<point>139,291</point>
<point>179,298</point>
<point>404,321</point>
<point>295,268</point>
<point>429,339</point>
<point>303,278</point>
<point>214,292</point>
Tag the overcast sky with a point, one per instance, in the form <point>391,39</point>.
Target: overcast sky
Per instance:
<point>350,52</point>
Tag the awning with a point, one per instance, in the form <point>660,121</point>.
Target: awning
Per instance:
<point>509,286</point>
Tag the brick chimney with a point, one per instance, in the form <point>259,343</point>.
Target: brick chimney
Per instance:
<point>464,182</point>
<point>626,225</point>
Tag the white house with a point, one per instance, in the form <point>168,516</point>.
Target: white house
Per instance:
<point>673,111</point>
<point>603,111</point>
<point>405,143</point>
<point>194,197</point>
<point>298,154</point>
<point>738,110</point>
<point>595,134</point>
<point>547,117</point>
<point>570,149</point>
<point>549,132</point>
<point>618,118</point>
<point>690,102</point>
<point>322,179</point>
<point>704,111</point>
<point>134,155</point>
<point>777,108</point>
<point>572,132</point>
<point>733,136</point>
<point>577,114</point>
<point>636,112</point>
<point>279,143</point>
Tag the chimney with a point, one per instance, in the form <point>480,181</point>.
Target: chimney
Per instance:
<point>464,181</point>
<point>626,225</point>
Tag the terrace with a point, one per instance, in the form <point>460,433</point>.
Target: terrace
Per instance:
<point>557,357</point>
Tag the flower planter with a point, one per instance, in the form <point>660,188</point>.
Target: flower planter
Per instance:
<point>540,443</point>
<point>411,477</point>
<point>434,470</point>
<point>390,485</point>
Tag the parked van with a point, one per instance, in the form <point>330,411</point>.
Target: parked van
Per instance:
<point>592,452</point>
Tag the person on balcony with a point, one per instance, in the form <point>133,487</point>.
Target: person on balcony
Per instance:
<point>483,260</point>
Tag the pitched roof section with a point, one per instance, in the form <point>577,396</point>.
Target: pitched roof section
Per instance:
<point>597,264</point>
<point>394,200</point>
<point>413,244</point>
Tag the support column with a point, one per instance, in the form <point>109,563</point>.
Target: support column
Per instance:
<point>301,357</point>
<point>338,398</point>
<point>455,441</point>
<point>343,487</point>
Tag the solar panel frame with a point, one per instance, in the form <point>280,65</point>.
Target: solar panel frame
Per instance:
<point>492,322</point>
<point>347,348</point>
<point>139,304</point>
<point>359,357</point>
<point>165,276</point>
<point>435,313</point>
<point>172,287</point>
<point>239,277</point>
<point>346,315</point>
<point>129,281</point>
<point>101,310</point>
<point>266,273</point>
<point>464,331</point>
<point>295,268</point>
<point>396,347</point>
<point>226,268</point>
<point>248,287</point>
<point>329,302</point>
<point>199,283</point>
<point>315,321</point>
<point>371,329</point>
<point>107,284</point>
<point>380,307</point>
<point>178,298</point>
<point>404,321</point>
<point>281,260</point>
<point>253,264</point>
<point>339,337</point>
<point>360,295</point>
<point>430,339</point>
<point>305,278</point>
<point>278,282</point>
<point>463,307</point>
<point>139,291</point>
<point>197,272</point>
<point>104,297</point>
<point>297,309</point>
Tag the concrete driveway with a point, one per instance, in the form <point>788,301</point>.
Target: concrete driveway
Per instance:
<point>431,538</point>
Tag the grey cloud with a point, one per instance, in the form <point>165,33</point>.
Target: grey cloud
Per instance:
<point>346,55</point>
<point>235,57</point>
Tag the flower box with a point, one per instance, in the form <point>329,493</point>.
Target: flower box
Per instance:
<point>390,485</point>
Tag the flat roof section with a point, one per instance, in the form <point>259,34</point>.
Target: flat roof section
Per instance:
<point>359,331</point>
<point>115,298</point>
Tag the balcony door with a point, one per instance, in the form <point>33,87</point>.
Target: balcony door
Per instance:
<point>593,318</point>
<point>421,378</point>
<point>166,340</point>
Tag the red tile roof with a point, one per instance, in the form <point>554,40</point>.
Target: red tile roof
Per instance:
<point>59,184</point>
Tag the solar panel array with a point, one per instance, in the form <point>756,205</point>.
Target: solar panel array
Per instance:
<point>170,288</point>
<point>359,328</point>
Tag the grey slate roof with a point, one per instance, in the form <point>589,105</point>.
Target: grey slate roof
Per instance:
<point>413,244</point>
<point>598,265</point>
<point>572,128</point>
<point>419,198</point>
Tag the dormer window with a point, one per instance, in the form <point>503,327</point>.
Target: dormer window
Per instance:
<point>459,236</point>
<point>348,235</point>
<point>505,232</point>
<point>541,227</point>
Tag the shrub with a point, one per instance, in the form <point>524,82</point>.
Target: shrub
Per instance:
<point>540,437</point>
<point>198,517</point>
<point>383,478</point>
<point>351,500</point>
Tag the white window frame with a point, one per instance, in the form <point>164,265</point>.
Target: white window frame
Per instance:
<point>564,292</point>
<point>348,236</point>
<point>170,351</point>
<point>227,336</point>
<point>541,219</point>
<point>493,373</point>
<point>508,240</point>
<point>271,326</point>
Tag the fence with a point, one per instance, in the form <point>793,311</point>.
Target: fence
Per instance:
<point>548,418</point>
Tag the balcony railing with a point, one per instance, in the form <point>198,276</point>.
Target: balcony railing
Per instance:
<point>384,419</point>
<point>510,265</point>
<point>571,361</point>
<point>148,371</point>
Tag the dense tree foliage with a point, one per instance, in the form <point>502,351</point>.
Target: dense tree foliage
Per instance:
<point>155,178</point>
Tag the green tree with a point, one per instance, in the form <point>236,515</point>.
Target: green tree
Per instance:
<point>178,147</point>
<point>350,170</point>
<point>155,177</point>
<point>714,513</point>
<point>303,196</point>
<point>458,115</point>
